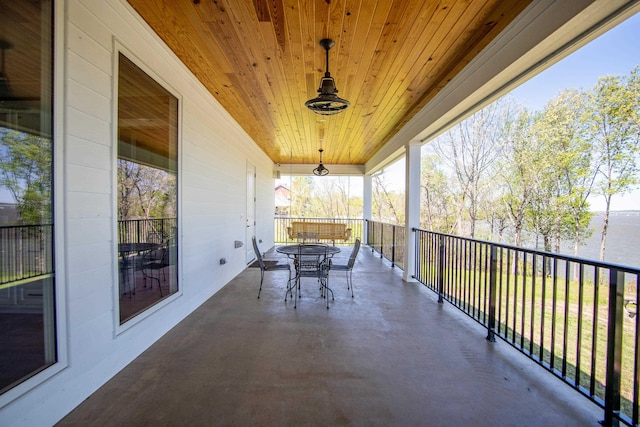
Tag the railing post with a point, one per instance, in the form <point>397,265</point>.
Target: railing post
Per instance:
<point>614,348</point>
<point>393,246</point>
<point>440,268</point>
<point>493,269</point>
<point>416,255</point>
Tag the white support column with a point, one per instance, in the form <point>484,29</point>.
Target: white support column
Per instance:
<point>412,207</point>
<point>367,202</point>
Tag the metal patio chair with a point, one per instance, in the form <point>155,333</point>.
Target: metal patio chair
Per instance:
<point>348,267</point>
<point>264,267</point>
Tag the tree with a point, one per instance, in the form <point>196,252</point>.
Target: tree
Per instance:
<point>389,206</point>
<point>324,197</point>
<point>25,171</point>
<point>517,171</point>
<point>470,150</point>
<point>614,127</point>
<point>566,171</point>
<point>145,192</point>
<point>436,198</point>
<point>333,195</point>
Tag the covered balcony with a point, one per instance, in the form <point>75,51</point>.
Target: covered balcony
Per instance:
<point>391,355</point>
<point>546,340</point>
<point>119,114</point>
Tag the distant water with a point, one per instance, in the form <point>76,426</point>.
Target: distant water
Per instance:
<point>623,239</point>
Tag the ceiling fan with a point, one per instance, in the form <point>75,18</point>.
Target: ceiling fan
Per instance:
<point>327,103</point>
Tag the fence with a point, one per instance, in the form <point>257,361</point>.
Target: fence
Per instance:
<point>26,252</point>
<point>575,317</point>
<point>282,237</point>
<point>139,230</point>
<point>388,240</point>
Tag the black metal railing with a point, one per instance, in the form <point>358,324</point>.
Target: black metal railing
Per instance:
<point>575,317</point>
<point>282,237</point>
<point>388,240</point>
<point>139,230</point>
<point>26,252</point>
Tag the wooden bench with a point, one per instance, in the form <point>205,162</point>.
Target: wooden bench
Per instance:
<point>318,231</point>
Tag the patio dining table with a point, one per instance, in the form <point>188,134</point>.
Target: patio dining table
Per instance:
<point>293,251</point>
<point>309,251</point>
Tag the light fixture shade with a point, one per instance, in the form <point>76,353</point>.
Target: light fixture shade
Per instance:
<point>327,103</point>
<point>321,170</point>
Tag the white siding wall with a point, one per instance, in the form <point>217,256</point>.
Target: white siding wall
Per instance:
<point>214,153</point>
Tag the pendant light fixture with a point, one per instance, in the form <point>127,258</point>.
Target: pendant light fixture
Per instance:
<point>327,103</point>
<point>321,170</point>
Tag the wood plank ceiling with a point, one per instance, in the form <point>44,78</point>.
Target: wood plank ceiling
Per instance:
<point>261,59</point>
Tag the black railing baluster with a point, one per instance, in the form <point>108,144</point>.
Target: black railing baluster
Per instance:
<point>448,249</point>
<point>506,297</point>
<point>533,304</point>
<point>543,306</point>
<point>485,285</point>
<point>500,273</point>
<point>382,241</point>
<point>565,332</point>
<point>523,312</point>
<point>492,294</point>
<point>594,332</point>
<point>475,284</point>
<point>466,271</point>
<point>580,319</point>
<point>636,362</point>
<point>393,246</point>
<point>515,295</point>
<point>440,269</point>
<point>614,348</point>
<point>553,313</point>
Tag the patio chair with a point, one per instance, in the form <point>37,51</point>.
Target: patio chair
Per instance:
<point>348,267</point>
<point>156,260</point>
<point>264,267</point>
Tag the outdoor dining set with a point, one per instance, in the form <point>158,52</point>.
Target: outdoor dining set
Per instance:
<point>309,260</point>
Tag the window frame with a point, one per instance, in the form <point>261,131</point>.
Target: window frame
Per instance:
<point>119,328</point>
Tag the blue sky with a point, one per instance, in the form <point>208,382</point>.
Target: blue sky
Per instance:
<point>614,53</point>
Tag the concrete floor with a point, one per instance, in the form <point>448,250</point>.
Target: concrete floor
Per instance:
<point>391,356</point>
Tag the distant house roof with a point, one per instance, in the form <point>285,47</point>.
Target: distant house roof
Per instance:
<point>282,188</point>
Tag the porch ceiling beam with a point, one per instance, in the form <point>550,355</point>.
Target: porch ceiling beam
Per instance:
<point>307,169</point>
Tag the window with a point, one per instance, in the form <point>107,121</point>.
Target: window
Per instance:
<point>147,190</point>
<point>27,286</point>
